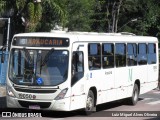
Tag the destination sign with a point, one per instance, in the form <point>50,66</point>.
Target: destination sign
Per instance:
<point>41,42</point>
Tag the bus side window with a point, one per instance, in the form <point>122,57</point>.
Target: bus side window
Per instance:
<point>77,66</point>
<point>142,54</point>
<point>94,56</point>
<point>131,54</point>
<point>108,55</point>
<point>152,53</point>
<point>120,54</point>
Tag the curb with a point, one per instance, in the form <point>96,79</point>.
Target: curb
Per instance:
<point>2,91</point>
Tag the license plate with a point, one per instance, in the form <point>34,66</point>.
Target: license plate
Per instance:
<point>36,107</point>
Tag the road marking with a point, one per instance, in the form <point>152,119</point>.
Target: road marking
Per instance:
<point>157,92</point>
<point>57,119</point>
<point>154,102</point>
<point>145,99</point>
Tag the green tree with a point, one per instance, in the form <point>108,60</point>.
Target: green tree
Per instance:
<point>79,13</point>
<point>30,13</point>
<point>150,24</point>
<point>146,13</point>
<point>53,12</point>
<point>107,15</point>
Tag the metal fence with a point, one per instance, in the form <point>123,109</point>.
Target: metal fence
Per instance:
<point>3,68</point>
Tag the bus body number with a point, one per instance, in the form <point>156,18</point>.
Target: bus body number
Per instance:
<point>26,96</point>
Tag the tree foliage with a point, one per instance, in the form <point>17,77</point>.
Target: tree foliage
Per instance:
<point>79,13</point>
<point>107,15</point>
<point>28,14</point>
<point>140,17</point>
<point>53,12</point>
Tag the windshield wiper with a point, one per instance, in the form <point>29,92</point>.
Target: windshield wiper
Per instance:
<point>47,57</point>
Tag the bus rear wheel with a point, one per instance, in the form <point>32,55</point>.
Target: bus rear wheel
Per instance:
<point>90,106</point>
<point>135,95</point>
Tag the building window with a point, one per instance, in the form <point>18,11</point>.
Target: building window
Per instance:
<point>108,55</point>
<point>120,54</point>
<point>94,56</point>
<point>131,54</point>
<point>151,53</point>
<point>142,54</point>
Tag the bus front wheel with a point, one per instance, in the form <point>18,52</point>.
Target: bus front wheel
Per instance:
<point>90,106</point>
<point>135,95</point>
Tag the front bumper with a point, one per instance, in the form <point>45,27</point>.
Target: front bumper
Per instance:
<point>56,105</point>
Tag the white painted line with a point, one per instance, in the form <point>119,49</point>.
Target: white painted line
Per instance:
<point>145,99</point>
<point>157,92</point>
<point>154,102</point>
<point>57,119</point>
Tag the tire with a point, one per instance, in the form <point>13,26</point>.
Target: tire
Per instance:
<point>135,95</point>
<point>90,106</point>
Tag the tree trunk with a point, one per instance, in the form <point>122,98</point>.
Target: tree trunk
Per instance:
<point>113,16</point>
<point>117,16</point>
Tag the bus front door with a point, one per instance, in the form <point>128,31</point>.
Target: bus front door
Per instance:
<point>77,81</point>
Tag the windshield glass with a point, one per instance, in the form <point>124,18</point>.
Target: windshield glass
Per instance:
<point>38,67</point>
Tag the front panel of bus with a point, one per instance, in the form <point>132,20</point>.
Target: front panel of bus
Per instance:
<point>38,74</point>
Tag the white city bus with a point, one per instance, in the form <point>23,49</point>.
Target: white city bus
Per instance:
<point>77,70</point>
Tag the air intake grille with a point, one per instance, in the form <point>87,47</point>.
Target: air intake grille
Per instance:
<point>26,104</point>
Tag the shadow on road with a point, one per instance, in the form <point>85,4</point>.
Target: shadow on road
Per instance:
<point>103,110</point>
<point>77,113</point>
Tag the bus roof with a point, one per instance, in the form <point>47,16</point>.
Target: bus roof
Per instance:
<point>92,36</point>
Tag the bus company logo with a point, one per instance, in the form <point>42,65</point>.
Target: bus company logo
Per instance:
<point>23,41</point>
<point>6,114</point>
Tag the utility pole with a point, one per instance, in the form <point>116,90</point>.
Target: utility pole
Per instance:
<point>133,20</point>
<point>8,31</point>
<point>4,55</point>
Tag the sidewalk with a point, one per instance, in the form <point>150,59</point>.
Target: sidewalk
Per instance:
<point>2,97</point>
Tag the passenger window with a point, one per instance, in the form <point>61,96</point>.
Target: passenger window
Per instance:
<point>142,54</point>
<point>94,56</point>
<point>151,53</point>
<point>108,55</point>
<point>131,54</point>
<point>120,54</point>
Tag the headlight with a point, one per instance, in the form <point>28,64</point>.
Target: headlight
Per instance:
<point>9,92</point>
<point>61,94</point>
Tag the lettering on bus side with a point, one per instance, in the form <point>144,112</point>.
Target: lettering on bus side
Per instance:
<point>155,68</point>
<point>108,73</point>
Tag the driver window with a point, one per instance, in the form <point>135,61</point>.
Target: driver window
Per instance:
<point>77,62</point>
<point>77,67</point>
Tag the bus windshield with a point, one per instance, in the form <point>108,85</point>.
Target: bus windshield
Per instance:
<point>38,67</point>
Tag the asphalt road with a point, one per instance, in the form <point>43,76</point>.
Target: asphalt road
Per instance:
<point>147,108</point>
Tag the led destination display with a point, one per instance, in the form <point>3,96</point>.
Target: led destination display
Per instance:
<point>41,42</point>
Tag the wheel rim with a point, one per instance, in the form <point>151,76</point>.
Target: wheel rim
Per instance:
<point>135,98</point>
<point>89,104</point>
